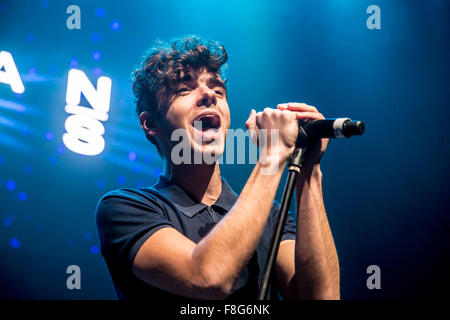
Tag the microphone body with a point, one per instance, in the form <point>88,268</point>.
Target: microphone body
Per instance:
<point>332,128</point>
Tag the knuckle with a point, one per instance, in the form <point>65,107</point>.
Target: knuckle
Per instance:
<point>286,114</point>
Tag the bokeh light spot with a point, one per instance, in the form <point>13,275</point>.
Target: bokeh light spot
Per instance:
<point>96,55</point>
<point>22,196</point>
<point>97,71</point>
<point>100,12</point>
<point>94,250</point>
<point>15,243</point>
<point>49,136</point>
<point>132,156</point>
<point>11,185</point>
<point>115,25</point>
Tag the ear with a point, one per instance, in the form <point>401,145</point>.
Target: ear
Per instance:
<point>148,124</point>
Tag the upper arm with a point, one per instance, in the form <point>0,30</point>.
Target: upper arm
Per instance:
<point>285,269</point>
<point>136,235</point>
<point>165,261</point>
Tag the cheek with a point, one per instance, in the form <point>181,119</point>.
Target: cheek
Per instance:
<point>176,115</point>
<point>226,115</point>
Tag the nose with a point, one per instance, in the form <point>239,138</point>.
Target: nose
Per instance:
<point>207,97</point>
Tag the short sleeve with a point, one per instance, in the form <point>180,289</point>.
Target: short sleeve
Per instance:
<point>289,229</point>
<point>125,219</point>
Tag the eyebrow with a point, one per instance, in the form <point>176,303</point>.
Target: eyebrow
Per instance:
<point>216,81</point>
<point>210,80</point>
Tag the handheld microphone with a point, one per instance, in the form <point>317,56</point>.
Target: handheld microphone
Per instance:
<point>309,130</point>
<point>332,128</point>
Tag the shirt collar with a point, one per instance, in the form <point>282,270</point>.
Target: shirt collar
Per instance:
<point>189,206</point>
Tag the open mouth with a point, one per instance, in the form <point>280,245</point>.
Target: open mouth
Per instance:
<point>206,122</point>
<point>207,126</point>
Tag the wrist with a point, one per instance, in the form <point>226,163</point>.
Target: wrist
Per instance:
<point>275,155</point>
<point>310,173</point>
<point>272,164</point>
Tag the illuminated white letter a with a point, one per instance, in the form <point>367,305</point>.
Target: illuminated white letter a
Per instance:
<point>10,76</point>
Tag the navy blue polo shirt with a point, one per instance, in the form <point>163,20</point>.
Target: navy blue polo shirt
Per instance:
<point>126,218</point>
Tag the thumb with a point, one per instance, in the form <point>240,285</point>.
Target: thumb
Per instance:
<point>251,121</point>
<point>252,127</point>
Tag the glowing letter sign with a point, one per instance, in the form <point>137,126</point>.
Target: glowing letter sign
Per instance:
<point>10,76</point>
<point>84,130</point>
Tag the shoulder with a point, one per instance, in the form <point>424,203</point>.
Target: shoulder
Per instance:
<point>128,201</point>
<point>143,196</point>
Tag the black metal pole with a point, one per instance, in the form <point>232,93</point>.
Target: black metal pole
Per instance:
<point>295,164</point>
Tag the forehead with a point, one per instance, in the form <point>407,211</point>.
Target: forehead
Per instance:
<point>202,75</point>
<point>165,95</point>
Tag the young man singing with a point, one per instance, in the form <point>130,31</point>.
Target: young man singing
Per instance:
<point>190,235</point>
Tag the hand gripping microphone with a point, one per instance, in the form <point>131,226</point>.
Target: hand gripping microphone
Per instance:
<point>308,130</point>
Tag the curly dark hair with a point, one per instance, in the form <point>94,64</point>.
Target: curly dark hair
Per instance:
<point>164,65</point>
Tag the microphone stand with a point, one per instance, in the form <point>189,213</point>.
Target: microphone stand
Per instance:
<point>294,167</point>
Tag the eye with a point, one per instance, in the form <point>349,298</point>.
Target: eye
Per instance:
<point>220,92</point>
<point>183,89</point>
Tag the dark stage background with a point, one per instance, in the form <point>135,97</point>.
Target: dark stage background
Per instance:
<point>385,192</point>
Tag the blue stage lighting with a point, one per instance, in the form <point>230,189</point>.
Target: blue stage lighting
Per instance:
<point>11,185</point>
<point>15,243</point>
<point>27,169</point>
<point>121,180</point>
<point>49,136</point>
<point>115,25</point>
<point>8,220</point>
<point>100,12</point>
<point>73,63</point>
<point>137,169</point>
<point>30,38</point>
<point>60,148</point>
<point>11,105</point>
<point>157,172</point>
<point>94,250</point>
<point>96,55</point>
<point>100,184</point>
<point>139,184</point>
<point>132,156</point>
<point>97,71</point>
<point>26,131</point>
<point>95,37</point>
<point>22,196</point>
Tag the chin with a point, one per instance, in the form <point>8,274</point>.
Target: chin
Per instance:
<point>209,152</point>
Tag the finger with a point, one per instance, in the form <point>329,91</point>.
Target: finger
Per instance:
<point>251,121</point>
<point>252,127</point>
<point>294,106</point>
<point>309,115</point>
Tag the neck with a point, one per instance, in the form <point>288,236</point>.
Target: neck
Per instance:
<point>201,181</point>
